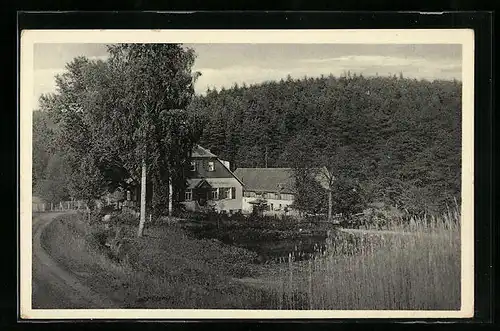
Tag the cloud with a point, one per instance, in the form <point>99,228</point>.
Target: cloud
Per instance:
<point>98,57</point>
<point>47,55</point>
<point>228,76</point>
<point>370,65</point>
<point>362,61</point>
<point>44,81</point>
<point>222,70</point>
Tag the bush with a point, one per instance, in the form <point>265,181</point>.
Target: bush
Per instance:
<point>127,218</point>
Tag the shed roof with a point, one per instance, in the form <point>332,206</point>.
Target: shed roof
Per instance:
<point>267,179</point>
<point>274,179</point>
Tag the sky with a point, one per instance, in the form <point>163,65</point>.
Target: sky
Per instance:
<point>223,65</point>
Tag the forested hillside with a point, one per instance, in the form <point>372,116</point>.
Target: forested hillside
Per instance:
<point>399,138</point>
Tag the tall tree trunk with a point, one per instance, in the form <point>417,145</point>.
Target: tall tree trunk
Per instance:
<point>143,199</point>
<point>329,205</point>
<point>170,195</point>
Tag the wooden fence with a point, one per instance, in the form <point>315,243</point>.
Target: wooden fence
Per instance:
<point>78,205</point>
<point>61,206</point>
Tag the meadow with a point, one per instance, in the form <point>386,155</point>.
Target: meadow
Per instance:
<point>406,264</point>
<point>163,269</point>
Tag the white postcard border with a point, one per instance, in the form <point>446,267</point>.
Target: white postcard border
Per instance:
<point>465,37</point>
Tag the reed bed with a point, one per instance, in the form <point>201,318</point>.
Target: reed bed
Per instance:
<point>410,265</point>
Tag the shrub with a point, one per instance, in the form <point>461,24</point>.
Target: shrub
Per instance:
<point>127,218</point>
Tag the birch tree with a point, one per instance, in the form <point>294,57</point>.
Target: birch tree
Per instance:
<point>122,119</point>
<point>158,83</point>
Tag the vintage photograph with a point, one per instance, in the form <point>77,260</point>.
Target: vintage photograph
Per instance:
<point>246,176</point>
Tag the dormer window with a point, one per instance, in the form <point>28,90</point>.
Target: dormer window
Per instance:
<point>211,166</point>
<point>193,166</point>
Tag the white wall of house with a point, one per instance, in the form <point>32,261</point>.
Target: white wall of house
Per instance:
<point>229,204</point>
<point>246,207</point>
<point>278,205</point>
<point>275,206</point>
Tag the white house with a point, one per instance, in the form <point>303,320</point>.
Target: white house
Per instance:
<point>275,185</point>
<point>212,184</point>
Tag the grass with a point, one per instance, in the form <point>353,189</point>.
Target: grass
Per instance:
<point>411,266</point>
<point>163,269</point>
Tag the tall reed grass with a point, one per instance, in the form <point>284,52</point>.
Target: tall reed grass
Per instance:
<point>412,265</point>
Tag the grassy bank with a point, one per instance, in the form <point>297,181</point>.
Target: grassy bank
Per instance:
<point>410,266</point>
<point>163,269</point>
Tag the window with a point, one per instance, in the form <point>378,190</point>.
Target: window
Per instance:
<point>224,193</point>
<point>286,196</point>
<point>271,196</point>
<point>271,207</point>
<point>188,195</point>
<point>249,194</point>
<point>211,166</point>
<point>193,166</point>
<point>227,193</point>
<point>214,194</point>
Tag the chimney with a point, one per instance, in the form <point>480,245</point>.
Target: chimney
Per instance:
<point>227,164</point>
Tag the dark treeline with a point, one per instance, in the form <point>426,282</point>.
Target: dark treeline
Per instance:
<point>399,138</point>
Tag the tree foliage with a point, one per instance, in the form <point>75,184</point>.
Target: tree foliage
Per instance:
<point>398,138</point>
<point>158,84</point>
<point>110,115</point>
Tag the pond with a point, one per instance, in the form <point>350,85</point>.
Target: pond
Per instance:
<point>279,250</point>
<point>270,244</point>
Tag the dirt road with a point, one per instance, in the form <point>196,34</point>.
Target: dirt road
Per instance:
<point>54,287</point>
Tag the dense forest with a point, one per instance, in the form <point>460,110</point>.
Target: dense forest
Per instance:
<point>399,138</point>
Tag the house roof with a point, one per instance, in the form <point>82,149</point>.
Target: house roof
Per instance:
<point>194,183</point>
<point>275,179</point>
<point>267,179</point>
<point>199,151</point>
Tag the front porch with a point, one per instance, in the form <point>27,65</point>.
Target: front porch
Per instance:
<point>203,195</point>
